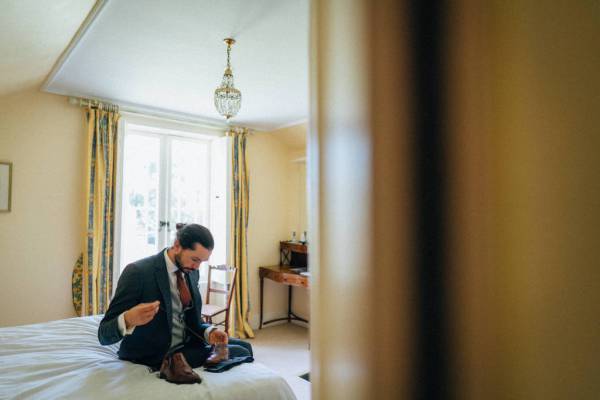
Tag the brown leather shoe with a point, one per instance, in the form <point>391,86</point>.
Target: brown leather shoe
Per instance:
<point>220,352</point>
<point>175,369</point>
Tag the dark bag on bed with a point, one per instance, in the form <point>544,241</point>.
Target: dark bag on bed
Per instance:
<point>228,364</point>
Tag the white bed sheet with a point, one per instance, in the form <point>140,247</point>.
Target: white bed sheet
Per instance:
<point>63,360</point>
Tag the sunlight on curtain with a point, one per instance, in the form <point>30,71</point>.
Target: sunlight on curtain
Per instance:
<point>92,275</point>
<point>239,219</point>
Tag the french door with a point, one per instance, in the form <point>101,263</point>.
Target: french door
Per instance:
<point>167,179</point>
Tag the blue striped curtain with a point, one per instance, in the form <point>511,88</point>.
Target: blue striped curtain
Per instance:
<point>92,276</point>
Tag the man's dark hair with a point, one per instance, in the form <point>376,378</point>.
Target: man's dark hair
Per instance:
<point>190,234</point>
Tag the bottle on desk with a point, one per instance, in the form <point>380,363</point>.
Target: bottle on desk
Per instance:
<point>303,238</point>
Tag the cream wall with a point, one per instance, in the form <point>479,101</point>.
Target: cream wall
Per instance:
<point>295,139</point>
<point>41,238</point>
<point>275,210</point>
<point>297,189</point>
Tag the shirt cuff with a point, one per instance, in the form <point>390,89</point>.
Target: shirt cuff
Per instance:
<point>122,329</point>
<point>207,332</point>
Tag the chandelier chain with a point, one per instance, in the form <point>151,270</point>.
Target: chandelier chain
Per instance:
<point>228,55</point>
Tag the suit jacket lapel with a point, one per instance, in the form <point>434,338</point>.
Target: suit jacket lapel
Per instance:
<point>192,279</point>
<point>162,278</point>
<point>193,285</point>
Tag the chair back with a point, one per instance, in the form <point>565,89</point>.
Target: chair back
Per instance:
<point>227,292</point>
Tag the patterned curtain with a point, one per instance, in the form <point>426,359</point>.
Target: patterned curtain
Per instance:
<point>239,214</point>
<point>92,275</point>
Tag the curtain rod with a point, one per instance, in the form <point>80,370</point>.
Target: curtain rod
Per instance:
<point>152,113</point>
<point>94,104</point>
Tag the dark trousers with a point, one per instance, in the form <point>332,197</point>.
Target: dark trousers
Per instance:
<point>196,351</point>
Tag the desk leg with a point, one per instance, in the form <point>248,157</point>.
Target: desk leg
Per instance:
<point>289,304</point>
<point>262,282</point>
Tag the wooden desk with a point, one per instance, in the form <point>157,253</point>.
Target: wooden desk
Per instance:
<point>284,275</point>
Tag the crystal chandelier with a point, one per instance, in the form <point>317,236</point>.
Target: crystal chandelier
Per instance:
<point>228,99</point>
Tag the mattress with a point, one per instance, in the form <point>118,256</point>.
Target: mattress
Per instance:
<point>63,360</point>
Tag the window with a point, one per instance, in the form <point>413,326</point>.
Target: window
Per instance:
<point>167,176</point>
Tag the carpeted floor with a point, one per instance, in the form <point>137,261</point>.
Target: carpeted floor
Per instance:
<point>284,349</point>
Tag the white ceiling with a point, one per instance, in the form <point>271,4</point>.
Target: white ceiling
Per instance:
<point>32,36</point>
<point>169,56</point>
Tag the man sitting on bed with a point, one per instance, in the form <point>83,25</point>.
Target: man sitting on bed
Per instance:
<point>156,312</point>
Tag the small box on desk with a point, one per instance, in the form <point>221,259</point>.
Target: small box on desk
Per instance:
<point>294,254</point>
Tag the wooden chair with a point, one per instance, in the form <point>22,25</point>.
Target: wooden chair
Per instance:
<point>209,311</point>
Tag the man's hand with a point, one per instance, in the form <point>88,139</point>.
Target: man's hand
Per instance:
<point>141,314</point>
<point>218,337</point>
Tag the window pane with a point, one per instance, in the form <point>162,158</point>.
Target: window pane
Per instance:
<point>140,198</point>
<point>190,186</point>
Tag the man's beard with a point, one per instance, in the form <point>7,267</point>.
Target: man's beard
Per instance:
<point>179,266</point>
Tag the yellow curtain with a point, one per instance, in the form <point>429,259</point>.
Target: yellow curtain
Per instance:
<point>92,276</point>
<point>239,325</point>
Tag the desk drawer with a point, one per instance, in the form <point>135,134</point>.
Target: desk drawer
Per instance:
<point>294,280</point>
<point>284,276</point>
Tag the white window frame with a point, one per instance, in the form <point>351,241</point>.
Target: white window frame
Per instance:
<point>159,126</point>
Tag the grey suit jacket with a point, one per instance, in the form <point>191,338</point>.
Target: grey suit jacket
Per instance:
<point>145,281</point>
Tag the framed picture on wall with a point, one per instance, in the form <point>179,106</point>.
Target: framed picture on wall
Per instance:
<point>5,185</point>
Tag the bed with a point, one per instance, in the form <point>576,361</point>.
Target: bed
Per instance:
<point>63,360</point>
